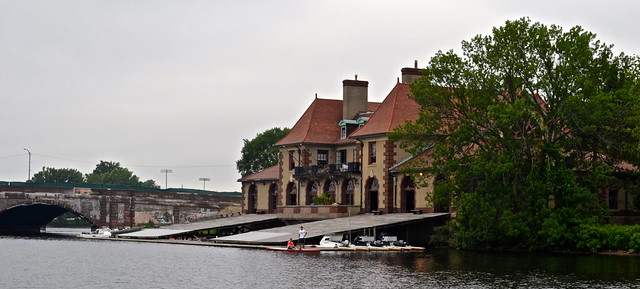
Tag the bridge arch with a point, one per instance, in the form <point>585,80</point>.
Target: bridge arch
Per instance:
<point>30,217</point>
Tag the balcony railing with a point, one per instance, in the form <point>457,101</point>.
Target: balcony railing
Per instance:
<point>326,170</point>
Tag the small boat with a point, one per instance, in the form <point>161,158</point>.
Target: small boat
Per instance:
<point>296,250</point>
<point>99,233</point>
<point>334,241</point>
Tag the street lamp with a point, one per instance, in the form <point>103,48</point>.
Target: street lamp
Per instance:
<point>166,173</point>
<point>29,174</point>
<point>204,180</point>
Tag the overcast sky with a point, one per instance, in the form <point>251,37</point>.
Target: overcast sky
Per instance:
<point>179,84</point>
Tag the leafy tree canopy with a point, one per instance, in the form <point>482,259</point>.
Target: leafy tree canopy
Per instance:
<point>53,175</point>
<point>112,173</point>
<point>525,126</point>
<point>259,153</point>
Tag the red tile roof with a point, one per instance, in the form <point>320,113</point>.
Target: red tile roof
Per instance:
<point>319,124</point>
<point>396,108</point>
<point>268,174</point>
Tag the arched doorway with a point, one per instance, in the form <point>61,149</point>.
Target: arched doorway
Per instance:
<point>312,191</point>
<point>252,202</point>
<point>273,198</point>
<point>407,195</point>
<point>371,203</point>
<point>292,194</point>
<point>348,186</point>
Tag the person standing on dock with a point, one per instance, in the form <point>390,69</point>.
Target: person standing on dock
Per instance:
<point>302,234</point>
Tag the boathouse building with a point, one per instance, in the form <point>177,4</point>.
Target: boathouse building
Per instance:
<point>339,149</point>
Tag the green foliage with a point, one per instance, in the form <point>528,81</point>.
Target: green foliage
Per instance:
<point>608,237</point>
<point>323,199</point>
<point>150,225</point>
<point>527,126</point>
<point>111,173</point>
<point>259,153</point>
<point>53,175</point>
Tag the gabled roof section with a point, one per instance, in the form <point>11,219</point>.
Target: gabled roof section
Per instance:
<point>396,108</point>
<point>268,174</point>
<point>318,124</point>
<point>410,162</point>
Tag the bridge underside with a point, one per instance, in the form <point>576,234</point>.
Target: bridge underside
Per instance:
<point>28,218</point>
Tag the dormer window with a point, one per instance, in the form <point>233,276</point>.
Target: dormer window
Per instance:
<point>347,126</point>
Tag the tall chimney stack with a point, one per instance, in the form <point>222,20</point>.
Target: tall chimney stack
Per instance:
<point>354,97</point>
<point>410,74</point>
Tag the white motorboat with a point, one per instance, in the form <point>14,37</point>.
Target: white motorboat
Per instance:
<point>333,241</point>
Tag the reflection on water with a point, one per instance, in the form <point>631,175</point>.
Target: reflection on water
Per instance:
<point>71,263</point>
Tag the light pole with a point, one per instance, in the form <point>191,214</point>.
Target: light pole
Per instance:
<point>204,180</point>
<point>166,173</point>
<point>29,171</point>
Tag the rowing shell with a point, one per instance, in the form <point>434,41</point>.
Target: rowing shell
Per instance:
<point>280,249</point>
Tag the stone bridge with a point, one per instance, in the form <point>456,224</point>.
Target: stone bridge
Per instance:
<point>27,207</point>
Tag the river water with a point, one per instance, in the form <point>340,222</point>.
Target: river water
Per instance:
<point>59,262</point>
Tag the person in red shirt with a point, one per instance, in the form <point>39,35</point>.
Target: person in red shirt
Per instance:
<point>290,244</point>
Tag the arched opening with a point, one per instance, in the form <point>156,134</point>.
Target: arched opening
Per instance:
<point>372,188</point>
<point>252,202</point>
<point>407,195</point>
<point>330,189</point>
<point>273,198</point>
<point>348,187</point>
<point>292,194</point>
<point>312,191</point>
<point>32,217</point>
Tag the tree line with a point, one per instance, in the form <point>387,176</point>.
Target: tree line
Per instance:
<point>108,173</point>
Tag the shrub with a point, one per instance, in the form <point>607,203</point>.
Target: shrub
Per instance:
<point>608,237</point>
<point>323,199</point>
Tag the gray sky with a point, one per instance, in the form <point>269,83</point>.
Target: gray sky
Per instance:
<point>179,84</point>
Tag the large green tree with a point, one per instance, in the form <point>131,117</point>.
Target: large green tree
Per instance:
<point>112,173</point>
<point>526,126</point>
<point>259,153</point>
<point>53,175</point>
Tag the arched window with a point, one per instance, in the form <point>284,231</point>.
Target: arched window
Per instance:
<point>312,191</point>
<point>371,203</point>
<point>407,195</point>
<point>273,198</point>
<point>292,194</point>
<point>252,202</point>
<point>348,186</point>
<point>330,189</point>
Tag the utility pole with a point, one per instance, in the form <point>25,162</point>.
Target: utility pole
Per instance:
<point>166,173</point>
<point>29,171</point>
<point>204,180</point>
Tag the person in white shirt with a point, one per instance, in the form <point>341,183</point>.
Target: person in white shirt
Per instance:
<point>302,234</point>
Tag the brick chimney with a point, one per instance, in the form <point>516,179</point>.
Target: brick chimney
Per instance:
<point>354,97</point>
<point>410,74</point>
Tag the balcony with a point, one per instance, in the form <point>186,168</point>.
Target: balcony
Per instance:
<point>327,170</point>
